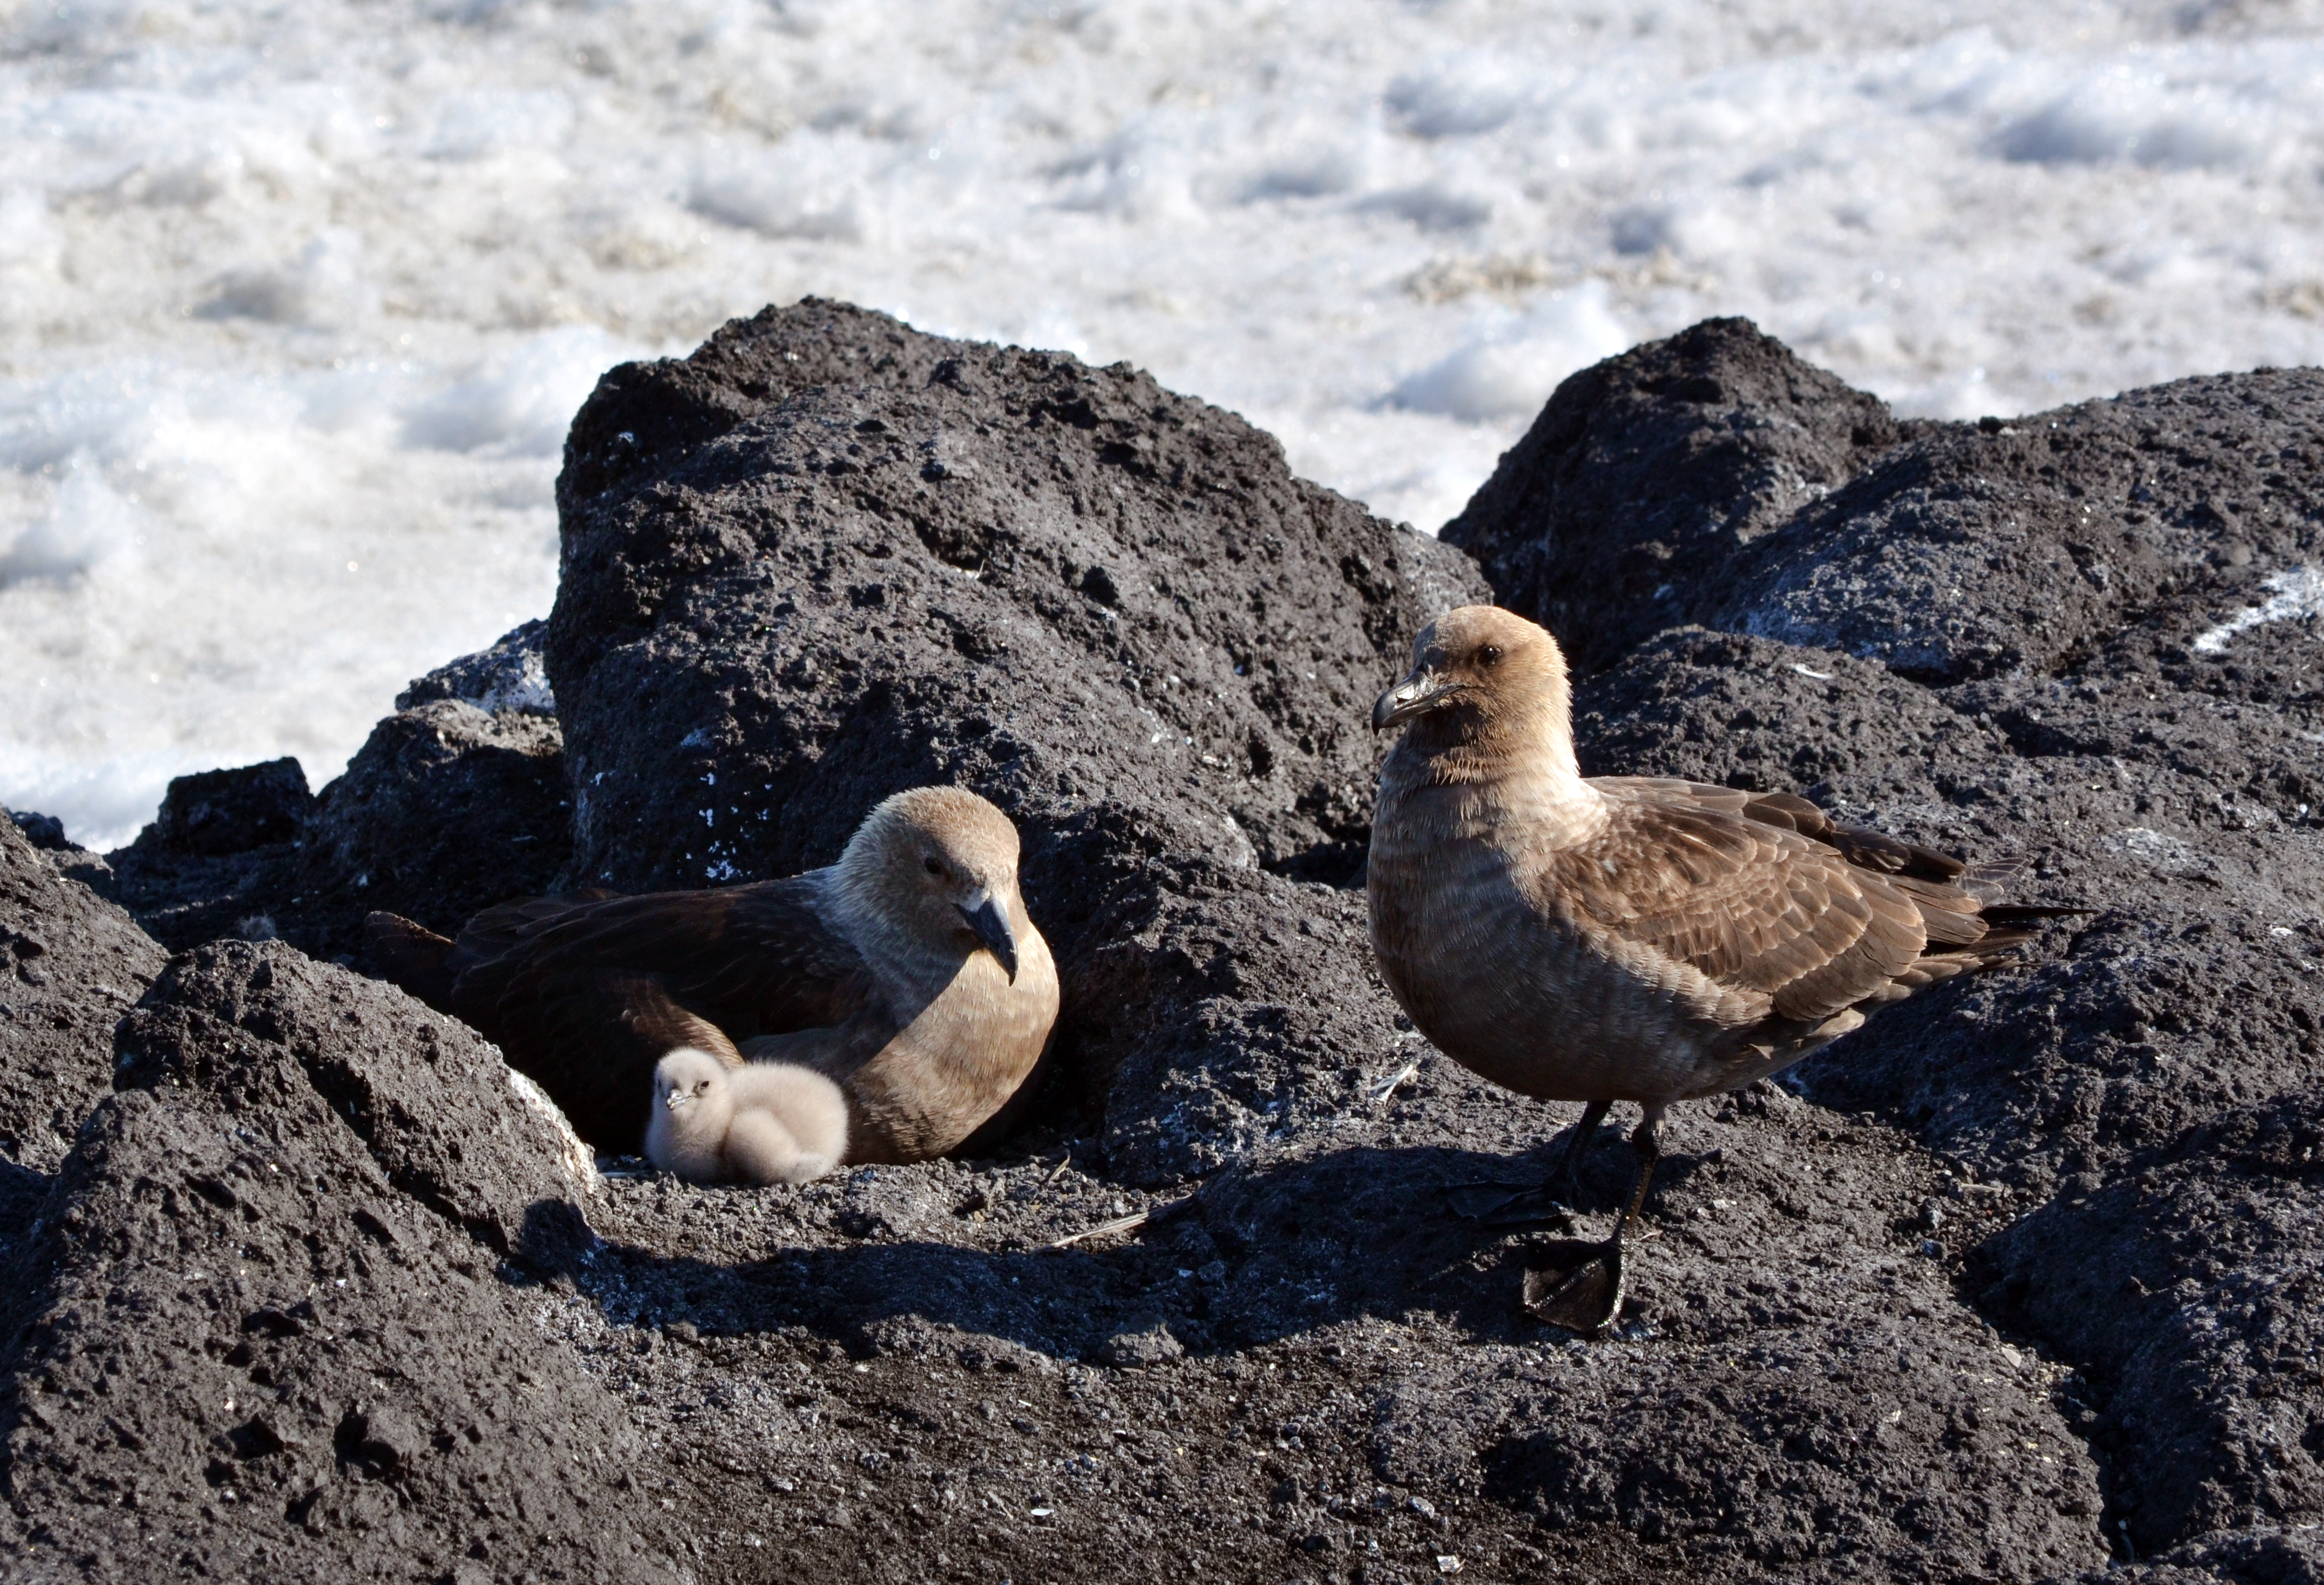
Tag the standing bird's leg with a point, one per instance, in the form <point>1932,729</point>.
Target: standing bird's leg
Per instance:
<point>1499,1204</point>
<point>1588,1297</point>
<point>1565,1183</point>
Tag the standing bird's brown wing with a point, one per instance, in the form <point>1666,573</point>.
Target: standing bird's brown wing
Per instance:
<point>587,995</point>
<point>1758,910</point>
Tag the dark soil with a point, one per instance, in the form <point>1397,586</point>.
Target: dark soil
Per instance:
<point>2017,1283</point>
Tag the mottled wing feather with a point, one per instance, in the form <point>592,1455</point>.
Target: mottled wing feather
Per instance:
<point>1866,850</point>
<point>1750,905</point>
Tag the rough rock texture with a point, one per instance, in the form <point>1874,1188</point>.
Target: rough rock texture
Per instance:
<point>71,964</point>
<point>267,1330</point>
<point>458,801</point>
<point>2015,1282</point>
<point>220,859</point>
<point>2196,1286</point>
<point>1640,487</point>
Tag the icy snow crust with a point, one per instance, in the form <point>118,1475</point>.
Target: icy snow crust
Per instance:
<point>296,301</point>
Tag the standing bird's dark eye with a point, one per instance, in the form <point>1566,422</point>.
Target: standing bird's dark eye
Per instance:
<point>933,865</point>
<point>1491,655</point>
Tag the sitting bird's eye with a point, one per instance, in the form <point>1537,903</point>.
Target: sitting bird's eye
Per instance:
<point>933,865</point>
<point>1491,655</point>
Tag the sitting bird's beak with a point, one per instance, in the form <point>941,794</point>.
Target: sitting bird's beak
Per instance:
<point>678,1096</point>
<point>990,920</point>
<point>1421,691</point>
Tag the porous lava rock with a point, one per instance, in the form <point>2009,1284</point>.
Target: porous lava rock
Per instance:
<point>1715,478</point>
<point>1641,483</point>
<point>219,858</point>
<point>1111,609</point>
<point>70,965</point>
<point>2195,1286</point>
<point>268,1328</point>
<point>456,802</point>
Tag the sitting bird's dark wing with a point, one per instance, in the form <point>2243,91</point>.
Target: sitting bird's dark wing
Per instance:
<point>587,994</point>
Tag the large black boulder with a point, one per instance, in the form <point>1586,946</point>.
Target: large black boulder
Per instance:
<point>456,801</point>
<point>71,964</point>
<point>1643,481</point>
<point>220,857</point>
<point>268,1328</point>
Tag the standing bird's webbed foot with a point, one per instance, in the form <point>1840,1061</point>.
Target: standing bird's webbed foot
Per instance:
<point>1579,1284</point>
<point>1503,1204</point>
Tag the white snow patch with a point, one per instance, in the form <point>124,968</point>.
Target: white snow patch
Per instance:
<point>2299,592</point>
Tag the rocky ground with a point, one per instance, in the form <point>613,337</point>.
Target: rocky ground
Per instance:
<point>2019,1283</point>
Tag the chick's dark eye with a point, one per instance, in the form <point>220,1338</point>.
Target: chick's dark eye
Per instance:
<point>1491,655</point>
<point>932,865</point>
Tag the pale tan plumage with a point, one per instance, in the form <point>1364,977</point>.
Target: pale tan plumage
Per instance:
<point>764,1123</point>
<point>908,973</point>
<point>1625,938</point>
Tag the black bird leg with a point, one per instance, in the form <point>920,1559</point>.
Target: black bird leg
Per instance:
<point>1565,1183</point>
<point>1500,1204</point>
<point>1587,1296</point>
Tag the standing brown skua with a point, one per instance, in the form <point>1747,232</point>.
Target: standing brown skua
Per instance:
<point>908,973</point>
<point>1628,938</point>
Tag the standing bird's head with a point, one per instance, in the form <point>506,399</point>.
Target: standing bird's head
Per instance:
<point>1481,675</point>
<point>934,872</point>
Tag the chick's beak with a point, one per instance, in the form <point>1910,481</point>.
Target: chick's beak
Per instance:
<point>1421,691</point>
<point>990,920</point>
<point>677,1098</point>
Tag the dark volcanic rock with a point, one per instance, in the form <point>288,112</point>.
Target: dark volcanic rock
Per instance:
<point>2194,1290</point>
<point>1111,609</point>
<point>1624,507</point>
<point>220,859</point>
<point>262,1336</point>
<point>456,802</point>
<point>70,965</point>
<point>213,812</point>
<point>1308,1347</point>
<point>1714,478</point>
<point>1973,553</point>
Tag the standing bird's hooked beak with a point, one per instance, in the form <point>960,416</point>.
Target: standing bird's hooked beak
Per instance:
<point>678,1096</point>
<point>990,920</point>
<point>1421,691</point>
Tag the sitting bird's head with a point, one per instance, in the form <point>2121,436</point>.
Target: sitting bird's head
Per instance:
<point>1481,674</point>
<point>934,870</point>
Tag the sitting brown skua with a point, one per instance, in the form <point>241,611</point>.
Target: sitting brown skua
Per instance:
<point>908,973</point>
<point>1628,938</point>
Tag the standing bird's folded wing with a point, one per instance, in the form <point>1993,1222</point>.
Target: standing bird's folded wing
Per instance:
<point>1784,928</point>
